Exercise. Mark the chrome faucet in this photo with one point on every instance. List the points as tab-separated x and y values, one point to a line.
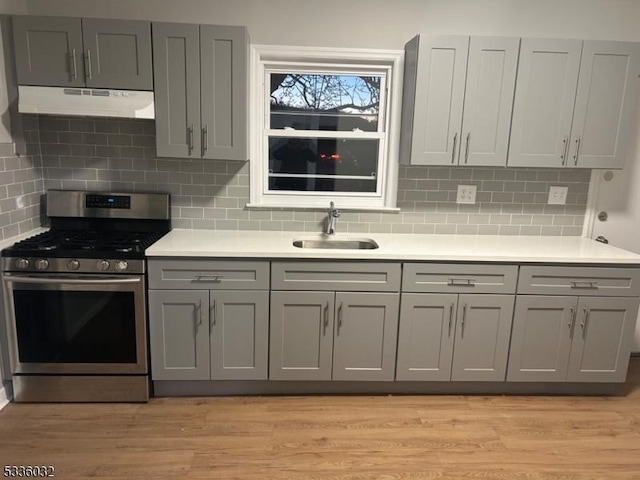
332	218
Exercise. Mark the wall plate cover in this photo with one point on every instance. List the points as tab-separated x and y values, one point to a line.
466	194
557	195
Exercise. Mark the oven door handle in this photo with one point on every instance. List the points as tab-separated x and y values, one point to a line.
70	281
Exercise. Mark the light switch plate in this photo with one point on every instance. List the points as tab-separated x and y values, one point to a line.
466	194
557	195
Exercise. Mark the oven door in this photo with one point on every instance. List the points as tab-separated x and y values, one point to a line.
76	324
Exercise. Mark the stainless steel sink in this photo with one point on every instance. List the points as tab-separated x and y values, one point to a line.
351	244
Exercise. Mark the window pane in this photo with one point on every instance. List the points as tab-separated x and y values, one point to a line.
324	102
323	164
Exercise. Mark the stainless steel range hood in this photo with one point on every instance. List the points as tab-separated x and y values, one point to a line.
86	102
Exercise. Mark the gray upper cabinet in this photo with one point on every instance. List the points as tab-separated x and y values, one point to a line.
224	91
541	339
176	73
99	53
301	335
179	334
482	338
573	103
201	85
365	336
48	51
457	102
426	336
239	324
117	54
602	339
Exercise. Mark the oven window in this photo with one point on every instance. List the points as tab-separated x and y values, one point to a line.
75	326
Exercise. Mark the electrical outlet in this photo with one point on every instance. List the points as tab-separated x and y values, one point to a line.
557	195
466	194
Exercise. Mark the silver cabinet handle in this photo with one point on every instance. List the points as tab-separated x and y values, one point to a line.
325	323
565	146
575	157
209	278
450	318
339	317
466	150
205	139
190	138
464	319
453	152
585	321
199	308
89	62
462	282
572	320
74	65
584	284
213	312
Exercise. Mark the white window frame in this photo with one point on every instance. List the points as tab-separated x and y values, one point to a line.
265	59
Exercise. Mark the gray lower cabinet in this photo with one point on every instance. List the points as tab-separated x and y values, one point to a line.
570	338
208	335
179	334
201	86
333	336
75	52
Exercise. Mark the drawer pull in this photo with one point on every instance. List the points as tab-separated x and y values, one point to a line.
572	320
462	282
339	318
213	313
326	319
464	319
585	322
209	278
450	317
583	284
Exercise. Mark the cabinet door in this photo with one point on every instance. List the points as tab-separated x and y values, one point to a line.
482	337
439	99
48	51
179	334
605	102
365	337
301	335
176	76
543	103
602	340
488	100
425	338
541	338
224	70
239	335
117	54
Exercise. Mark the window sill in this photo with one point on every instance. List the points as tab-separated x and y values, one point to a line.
252	206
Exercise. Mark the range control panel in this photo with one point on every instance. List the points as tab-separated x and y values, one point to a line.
108	201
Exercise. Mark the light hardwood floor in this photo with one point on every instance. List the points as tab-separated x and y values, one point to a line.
343	437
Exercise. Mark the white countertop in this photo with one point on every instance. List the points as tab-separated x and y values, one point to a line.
480	248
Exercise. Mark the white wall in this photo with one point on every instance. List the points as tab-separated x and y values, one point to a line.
373	23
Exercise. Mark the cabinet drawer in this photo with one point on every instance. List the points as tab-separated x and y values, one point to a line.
442	277
208	275
620	282
355	277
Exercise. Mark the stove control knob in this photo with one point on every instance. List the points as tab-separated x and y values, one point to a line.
121	265
22	264
42	264
73	264
103	265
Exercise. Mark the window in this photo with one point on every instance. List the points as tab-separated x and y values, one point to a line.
324	127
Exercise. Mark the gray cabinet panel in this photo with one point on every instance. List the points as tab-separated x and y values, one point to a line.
541	338
482	337
442	277
179	335
592	281
425	337
352	276
301	335
209	274
365	338
48	51
176	73
224	93
117	54
602	339
239	335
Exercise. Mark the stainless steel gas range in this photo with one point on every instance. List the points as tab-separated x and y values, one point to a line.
75	298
